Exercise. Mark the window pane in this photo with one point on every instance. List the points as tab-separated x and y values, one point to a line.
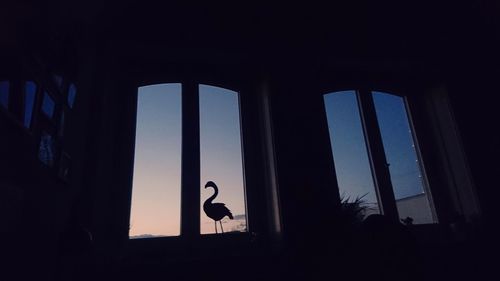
352	164
156	193
46	149
29	102
221	158
71	95
4	93
48	105
406	175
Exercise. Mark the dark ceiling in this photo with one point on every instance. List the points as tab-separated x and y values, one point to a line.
423	33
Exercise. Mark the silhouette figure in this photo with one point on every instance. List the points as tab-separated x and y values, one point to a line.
215	211
407	221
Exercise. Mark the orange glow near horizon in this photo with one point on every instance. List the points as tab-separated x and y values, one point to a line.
156	192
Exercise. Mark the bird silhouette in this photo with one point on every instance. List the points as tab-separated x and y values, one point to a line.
215	211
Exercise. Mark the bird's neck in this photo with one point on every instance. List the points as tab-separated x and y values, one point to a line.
211	198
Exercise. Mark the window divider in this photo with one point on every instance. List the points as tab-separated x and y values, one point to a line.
376	154
190	172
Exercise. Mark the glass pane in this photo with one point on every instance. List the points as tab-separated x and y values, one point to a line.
48	105
71	95
221	161
46	149
406	175
156	193
349	151
29	102
4	93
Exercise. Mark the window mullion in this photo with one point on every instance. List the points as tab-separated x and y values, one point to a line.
379	165
190	179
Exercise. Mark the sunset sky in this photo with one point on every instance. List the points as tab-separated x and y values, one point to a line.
156	194
157	168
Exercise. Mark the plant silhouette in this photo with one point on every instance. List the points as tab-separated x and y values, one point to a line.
216	211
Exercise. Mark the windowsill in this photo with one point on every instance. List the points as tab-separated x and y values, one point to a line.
195	248
433	234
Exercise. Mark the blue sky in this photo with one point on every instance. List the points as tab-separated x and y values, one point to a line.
157	169
349	149
398	145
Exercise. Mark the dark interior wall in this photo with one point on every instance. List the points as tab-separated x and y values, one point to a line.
472	70
299	49
474	102
39	206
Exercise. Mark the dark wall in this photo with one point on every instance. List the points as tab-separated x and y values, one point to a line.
476	113
299	50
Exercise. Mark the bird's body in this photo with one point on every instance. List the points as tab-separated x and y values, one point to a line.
215	211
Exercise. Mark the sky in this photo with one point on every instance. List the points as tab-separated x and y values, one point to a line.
348	147
156	195
350	152
398	145
156	192
221	156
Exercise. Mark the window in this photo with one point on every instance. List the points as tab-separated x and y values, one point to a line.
352	163
48	105
376	159
29	102
156	192
400	150
186	136
221	156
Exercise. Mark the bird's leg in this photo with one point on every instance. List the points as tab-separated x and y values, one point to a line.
215	222
221	226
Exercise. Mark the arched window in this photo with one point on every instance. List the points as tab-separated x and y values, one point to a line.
376	154
186	135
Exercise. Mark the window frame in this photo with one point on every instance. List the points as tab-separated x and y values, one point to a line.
376	152
190	236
